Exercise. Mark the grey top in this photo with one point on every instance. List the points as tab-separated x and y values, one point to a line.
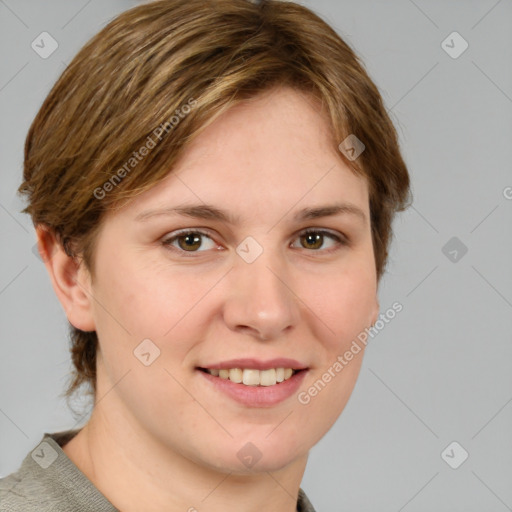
49	481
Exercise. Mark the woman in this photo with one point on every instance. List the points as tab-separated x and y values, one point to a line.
213	186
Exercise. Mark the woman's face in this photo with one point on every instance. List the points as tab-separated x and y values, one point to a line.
249	285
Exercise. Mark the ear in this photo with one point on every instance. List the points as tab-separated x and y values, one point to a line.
71	281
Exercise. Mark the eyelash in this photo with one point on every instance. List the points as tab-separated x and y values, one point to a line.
340	240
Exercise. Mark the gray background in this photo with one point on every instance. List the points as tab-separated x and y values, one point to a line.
441	370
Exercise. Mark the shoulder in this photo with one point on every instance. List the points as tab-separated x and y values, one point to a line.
303	503
48	481
20	491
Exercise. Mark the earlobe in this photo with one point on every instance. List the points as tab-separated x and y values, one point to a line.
70	280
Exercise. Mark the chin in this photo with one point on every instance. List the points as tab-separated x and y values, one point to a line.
267	463
257	453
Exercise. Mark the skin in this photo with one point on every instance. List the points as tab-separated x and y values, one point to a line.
161	437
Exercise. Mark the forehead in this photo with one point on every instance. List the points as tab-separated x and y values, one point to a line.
261	157
270	127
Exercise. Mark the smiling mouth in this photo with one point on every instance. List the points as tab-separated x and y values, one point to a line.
253	377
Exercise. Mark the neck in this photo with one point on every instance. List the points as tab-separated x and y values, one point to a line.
136	472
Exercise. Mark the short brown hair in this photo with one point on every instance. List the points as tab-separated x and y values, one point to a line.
133	78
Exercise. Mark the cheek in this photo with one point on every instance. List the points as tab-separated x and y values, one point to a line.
147	299
138	303
344	307
344	304
167	304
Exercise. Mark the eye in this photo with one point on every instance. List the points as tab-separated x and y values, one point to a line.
189	241
315	238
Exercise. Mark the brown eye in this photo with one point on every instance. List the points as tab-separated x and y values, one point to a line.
315	239
312	240
189	241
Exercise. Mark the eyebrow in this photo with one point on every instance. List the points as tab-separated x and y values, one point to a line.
210	212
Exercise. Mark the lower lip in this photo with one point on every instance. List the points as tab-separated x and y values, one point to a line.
257	396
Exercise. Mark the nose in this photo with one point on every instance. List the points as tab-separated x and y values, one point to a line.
261	301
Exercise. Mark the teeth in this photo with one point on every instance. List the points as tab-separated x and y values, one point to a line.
236	375
268	377
251	377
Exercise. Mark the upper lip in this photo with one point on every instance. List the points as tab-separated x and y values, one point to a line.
257	364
